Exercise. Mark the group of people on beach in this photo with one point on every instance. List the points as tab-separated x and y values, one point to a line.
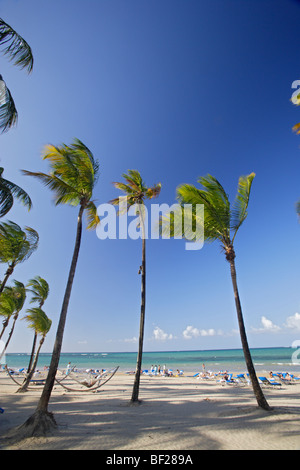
163	371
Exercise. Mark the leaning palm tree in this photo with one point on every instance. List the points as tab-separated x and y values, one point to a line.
73	175
41	324
40	291
16	246
221	223
20	53
136	192
9	191
18	294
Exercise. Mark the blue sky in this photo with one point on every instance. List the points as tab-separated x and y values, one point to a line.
176	89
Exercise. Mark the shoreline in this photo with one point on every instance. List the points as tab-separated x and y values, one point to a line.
176	413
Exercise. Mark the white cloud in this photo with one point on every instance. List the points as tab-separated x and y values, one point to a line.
131	340
267	326
160	335
293	321
192	332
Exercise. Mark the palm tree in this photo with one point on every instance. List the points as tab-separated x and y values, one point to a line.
40	291
221	223
16	246
9	191
41	324
19	52
136	192
72	178
7	308
18	294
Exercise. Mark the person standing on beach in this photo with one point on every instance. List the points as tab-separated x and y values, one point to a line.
68	368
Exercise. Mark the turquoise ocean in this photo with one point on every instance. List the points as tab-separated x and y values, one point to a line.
267	359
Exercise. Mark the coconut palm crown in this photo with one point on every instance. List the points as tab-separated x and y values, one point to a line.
72	178
16	246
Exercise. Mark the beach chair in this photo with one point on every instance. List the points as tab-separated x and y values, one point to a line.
282	379
242	379
269	382
294	379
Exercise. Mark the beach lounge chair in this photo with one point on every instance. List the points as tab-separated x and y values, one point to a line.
294	379
282	379
269	382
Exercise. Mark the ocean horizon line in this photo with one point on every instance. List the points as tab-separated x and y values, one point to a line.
157	350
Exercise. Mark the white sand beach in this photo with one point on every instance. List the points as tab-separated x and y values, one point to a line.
176	413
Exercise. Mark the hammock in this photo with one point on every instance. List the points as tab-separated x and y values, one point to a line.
91	387
42	380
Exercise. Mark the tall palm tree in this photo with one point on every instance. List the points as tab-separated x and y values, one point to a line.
9	191
20	53
41	324
136	192
18	293
16	246
73	175
221	223
7	308
40	291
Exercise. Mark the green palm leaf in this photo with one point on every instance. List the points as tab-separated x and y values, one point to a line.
73	175
39	289
239	209
15	47
8	111
16	245
38	320
9	191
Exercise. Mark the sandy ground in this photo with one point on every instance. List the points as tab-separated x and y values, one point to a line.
176	413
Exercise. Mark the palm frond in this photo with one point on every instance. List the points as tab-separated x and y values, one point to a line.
216	225
240	205
7	187
39	289
7	303
17	245
19	295
15	47
154	191
6	199
63	193
135	189
92	216
38	320
296	128
8	110
134	179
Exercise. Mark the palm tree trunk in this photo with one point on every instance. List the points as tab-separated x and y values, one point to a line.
136	385
8	273
26	382
9	336
261	400
42	421
32	351
5	324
